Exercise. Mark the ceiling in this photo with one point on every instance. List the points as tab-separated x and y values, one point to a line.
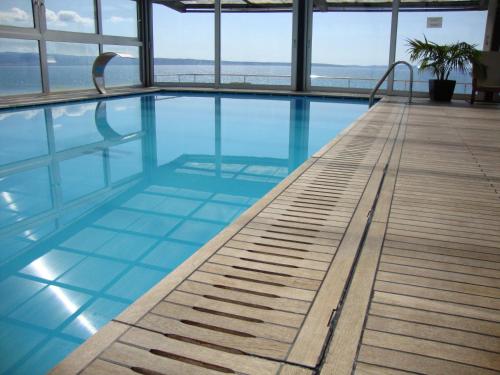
319	5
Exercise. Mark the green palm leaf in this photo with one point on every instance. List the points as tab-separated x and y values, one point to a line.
442	59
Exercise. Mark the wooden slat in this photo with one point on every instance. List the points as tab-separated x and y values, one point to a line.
210	337
433	349
440	319
415	363
433	333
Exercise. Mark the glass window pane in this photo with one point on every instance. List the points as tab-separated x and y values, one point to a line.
183	44
70	65
22	135
125	160
350	49
263	125
124	115
119	17
457	26
82	175
123	71
19	67
16	13
24	194
178	139
256	48
64	15
74	125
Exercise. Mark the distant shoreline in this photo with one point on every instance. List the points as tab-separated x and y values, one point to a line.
32	59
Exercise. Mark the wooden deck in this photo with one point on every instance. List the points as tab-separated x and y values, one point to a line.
381	254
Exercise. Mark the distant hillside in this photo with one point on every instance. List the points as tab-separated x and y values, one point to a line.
165	61
31	59
13	58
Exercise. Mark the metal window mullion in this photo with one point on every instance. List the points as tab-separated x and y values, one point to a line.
73	37
149	146
44	68
393	44
54	170
217	42
41	24
145	33
106	166
218	136
35	4
309	18
19	33
98	21
490	25
295	36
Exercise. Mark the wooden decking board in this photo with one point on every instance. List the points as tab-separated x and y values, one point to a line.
438	319
459	253
414	363
432	349
442	243
441	266
365	369
487	304
442	256
408	269
443	225
443	218
426	282
433	305
433	333
423	297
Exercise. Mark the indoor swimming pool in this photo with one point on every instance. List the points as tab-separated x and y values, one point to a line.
99	200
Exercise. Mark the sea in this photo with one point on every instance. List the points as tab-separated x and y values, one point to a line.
26	79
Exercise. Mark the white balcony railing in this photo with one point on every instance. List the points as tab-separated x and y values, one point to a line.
283	80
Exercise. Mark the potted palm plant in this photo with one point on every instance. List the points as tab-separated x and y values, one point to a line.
441	60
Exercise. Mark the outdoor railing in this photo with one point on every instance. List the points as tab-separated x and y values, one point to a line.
275	79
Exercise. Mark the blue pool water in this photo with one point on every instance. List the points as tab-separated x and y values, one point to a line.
100	200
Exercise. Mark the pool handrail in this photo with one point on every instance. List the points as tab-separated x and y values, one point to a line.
386	74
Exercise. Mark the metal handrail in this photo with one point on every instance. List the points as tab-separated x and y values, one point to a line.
388	71
464	86
404	82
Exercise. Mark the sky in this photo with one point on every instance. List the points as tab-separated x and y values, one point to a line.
347	38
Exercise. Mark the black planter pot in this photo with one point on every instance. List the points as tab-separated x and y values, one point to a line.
441	90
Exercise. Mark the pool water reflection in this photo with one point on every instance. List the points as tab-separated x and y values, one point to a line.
100	200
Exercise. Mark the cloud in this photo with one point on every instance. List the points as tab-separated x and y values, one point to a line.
14	15
73	110
118	19
65	17
27	115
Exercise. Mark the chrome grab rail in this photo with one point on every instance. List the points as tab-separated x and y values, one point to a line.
388	71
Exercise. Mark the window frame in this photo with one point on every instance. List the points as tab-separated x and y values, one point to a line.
146	53
41	34
217	58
